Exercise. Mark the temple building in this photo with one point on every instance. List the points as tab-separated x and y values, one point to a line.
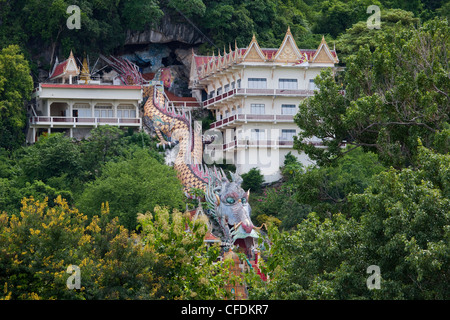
74	99
73	103
254	93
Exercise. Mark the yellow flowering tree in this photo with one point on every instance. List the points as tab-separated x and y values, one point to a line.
38	245
167	260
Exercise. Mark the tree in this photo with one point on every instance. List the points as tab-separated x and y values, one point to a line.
15	88
358	35
405	228
52	156
393	95
327	188
335	16
38	245
138	14
280	206
188	267
399	223
252	180
109	143
131	186
165	262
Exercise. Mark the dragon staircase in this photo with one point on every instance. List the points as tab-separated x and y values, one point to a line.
227	206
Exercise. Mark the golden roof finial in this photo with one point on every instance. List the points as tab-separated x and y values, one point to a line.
289	29
85	74
235	45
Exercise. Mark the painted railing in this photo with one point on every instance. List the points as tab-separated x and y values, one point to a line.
252	118
45	120
244	143
258	92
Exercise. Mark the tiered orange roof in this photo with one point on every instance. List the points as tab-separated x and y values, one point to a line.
288	53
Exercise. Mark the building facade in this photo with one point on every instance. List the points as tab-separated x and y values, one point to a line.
73	103
254	93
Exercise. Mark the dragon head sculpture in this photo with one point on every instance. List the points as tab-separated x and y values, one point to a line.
230	211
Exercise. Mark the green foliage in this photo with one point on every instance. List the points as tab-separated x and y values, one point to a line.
252	180
326	188
405	228
291	168
137	15
109	143
336	16
57	165
37	246
130	186
189	8
394	95
400	223
279	206
52	156
15	88
358	35
105	23
188	266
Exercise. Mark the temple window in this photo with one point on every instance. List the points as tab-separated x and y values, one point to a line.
257	83
288	84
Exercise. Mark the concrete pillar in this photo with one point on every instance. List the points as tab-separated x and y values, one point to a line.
91	105
71	103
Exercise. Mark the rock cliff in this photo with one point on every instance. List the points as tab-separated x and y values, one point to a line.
167	31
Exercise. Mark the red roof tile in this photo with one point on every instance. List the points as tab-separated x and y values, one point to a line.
89	86
148	76
270	52
59	69
210	236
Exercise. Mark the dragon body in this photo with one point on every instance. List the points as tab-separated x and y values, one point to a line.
227	203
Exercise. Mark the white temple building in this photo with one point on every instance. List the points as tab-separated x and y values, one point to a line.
73	103
254	94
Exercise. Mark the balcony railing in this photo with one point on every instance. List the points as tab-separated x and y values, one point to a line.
243	143
252	118
258	92
92	121
185	104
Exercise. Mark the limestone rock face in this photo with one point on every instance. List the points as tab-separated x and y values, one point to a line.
167	31
167	46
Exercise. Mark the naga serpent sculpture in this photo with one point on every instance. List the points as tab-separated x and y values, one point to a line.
227	203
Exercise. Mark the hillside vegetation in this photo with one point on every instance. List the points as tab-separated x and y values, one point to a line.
383	200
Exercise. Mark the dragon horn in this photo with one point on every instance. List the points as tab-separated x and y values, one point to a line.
218	199
259	228
237	225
